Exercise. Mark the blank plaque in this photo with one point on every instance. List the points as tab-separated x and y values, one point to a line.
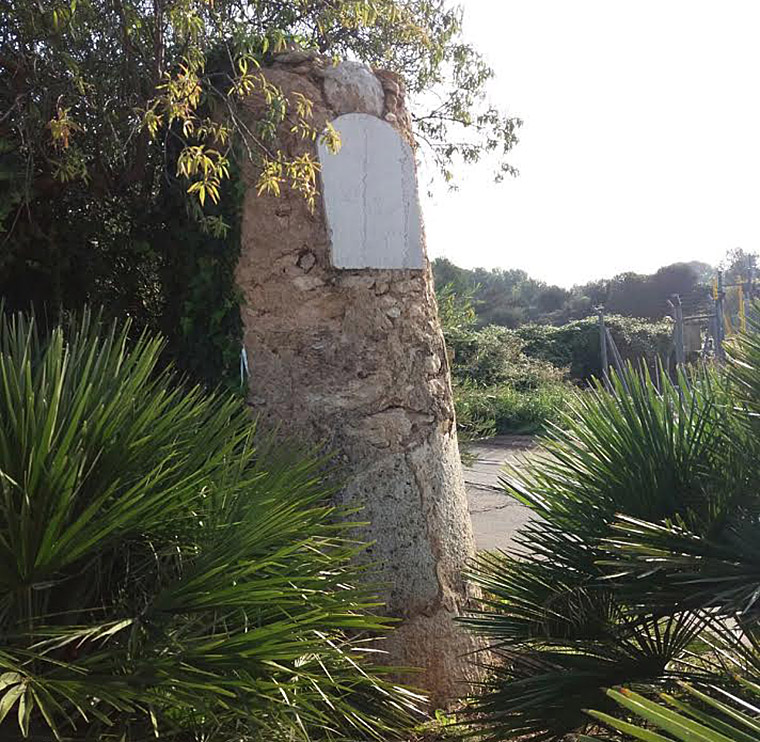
369	190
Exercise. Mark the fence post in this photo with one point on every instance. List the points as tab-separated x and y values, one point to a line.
603	346
720	329
678	335
751	278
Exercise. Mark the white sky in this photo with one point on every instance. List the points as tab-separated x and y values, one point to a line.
641	141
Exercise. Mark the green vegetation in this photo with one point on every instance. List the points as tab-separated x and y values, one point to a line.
497	387
701	718
510	374
643	570
575	346
516	381
123	131
160	575
502	408
512	299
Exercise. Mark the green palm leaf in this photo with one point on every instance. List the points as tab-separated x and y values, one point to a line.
702	718
160	572
559	629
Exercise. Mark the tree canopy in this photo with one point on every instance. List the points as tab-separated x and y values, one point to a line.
111	111
512	298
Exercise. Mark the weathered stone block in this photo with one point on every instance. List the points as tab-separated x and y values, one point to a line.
352	361
351	87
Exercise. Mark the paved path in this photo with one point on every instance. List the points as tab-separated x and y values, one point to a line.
495	515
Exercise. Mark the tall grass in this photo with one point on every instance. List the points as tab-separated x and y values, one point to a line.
503	408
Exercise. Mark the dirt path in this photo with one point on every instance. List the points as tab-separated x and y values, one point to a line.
495	515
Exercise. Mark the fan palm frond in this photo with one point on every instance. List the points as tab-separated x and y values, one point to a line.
563	618
162	574
698	717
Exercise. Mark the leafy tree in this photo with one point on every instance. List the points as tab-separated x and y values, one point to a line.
645	296
114	110
738	265
740	280
512	298
160	575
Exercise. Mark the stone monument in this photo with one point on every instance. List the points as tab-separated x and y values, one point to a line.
345	351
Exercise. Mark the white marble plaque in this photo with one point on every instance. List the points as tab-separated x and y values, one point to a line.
369	190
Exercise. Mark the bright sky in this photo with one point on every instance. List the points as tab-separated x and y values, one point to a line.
641	141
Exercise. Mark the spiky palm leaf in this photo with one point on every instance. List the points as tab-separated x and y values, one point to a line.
562	630
668	566
699	717
707	562
160	575
651	448
706	558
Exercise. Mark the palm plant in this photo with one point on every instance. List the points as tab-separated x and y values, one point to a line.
160	575
708	565
703	718
707	559
648	532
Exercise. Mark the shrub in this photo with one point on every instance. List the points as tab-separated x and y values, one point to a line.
494	355
642	568
497	387
576	344
160	576
490	355
506	408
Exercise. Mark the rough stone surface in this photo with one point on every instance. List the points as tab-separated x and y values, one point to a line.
395	102
350	87
295	57
354	360
369	190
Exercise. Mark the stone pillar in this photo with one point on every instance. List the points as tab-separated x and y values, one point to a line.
345	350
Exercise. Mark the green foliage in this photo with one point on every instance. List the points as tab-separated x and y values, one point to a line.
540	331
494	355
443	727
576	344
512	298
704	562
123	129
504	408
571	616
702	718
501	296
200	312
455	310
741	279
160	575
490	355
497	387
